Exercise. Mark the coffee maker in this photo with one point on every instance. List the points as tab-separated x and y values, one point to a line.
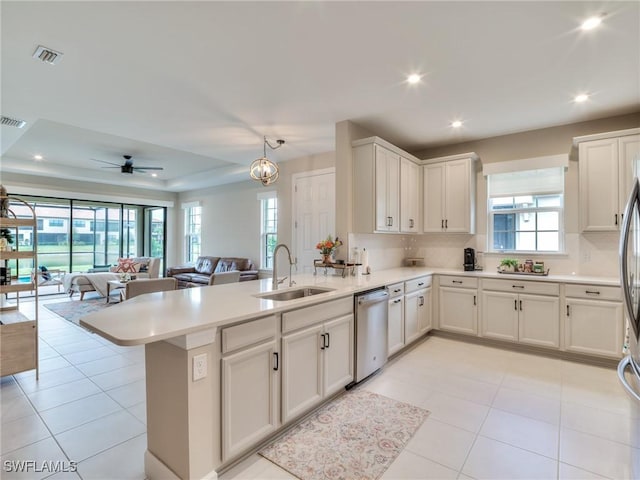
469	259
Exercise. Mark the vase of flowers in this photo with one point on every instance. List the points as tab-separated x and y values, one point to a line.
327	247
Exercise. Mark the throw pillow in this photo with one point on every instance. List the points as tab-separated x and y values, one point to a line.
127	265
45	273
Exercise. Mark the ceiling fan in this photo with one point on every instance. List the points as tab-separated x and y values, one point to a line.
127	166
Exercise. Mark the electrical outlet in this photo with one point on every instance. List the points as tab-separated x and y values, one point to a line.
199	366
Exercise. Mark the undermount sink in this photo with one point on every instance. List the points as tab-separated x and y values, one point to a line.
300	292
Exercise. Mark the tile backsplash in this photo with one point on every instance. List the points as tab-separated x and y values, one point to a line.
593	254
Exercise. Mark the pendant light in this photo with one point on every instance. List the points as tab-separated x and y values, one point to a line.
264	170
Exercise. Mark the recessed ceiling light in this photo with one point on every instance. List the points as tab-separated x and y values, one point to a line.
591	23
37	157
456	124
154	174
413	78
583	97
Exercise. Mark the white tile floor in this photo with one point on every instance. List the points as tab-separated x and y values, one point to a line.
495	414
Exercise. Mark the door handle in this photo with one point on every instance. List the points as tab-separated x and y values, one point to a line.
517	286
456	281
474	300
515	305
397	301
421	284
277	361
568	314
411	223
446	223
520	305
592	292
421	301
442	223
328	339
615	216
323	342
622	366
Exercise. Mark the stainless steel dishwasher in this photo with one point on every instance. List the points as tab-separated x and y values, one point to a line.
371	309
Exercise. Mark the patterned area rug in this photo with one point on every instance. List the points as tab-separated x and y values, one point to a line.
74	310
355	437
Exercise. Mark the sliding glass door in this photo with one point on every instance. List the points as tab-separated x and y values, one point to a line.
155	233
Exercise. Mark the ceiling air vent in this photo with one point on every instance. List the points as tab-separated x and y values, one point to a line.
47	55
12	122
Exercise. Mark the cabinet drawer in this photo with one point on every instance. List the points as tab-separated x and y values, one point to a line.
520	286
318	313
595	292
466	282
248	333
417	284
395	290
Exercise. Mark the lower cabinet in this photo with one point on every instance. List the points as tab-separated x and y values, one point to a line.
594	327
396	325
250	401
458	310
417	314
317	362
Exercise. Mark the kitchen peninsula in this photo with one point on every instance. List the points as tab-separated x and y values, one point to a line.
218	380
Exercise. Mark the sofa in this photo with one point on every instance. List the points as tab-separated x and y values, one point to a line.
200	272
96	281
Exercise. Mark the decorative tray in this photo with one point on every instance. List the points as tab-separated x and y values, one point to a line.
534	274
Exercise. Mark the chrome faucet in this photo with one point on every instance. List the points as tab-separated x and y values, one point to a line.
275	282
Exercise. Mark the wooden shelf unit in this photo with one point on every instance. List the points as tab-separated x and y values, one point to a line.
18	333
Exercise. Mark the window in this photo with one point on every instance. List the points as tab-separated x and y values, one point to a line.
193	224
526	211
269	228
56	222
79	223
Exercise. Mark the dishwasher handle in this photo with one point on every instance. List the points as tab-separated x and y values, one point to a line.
373	297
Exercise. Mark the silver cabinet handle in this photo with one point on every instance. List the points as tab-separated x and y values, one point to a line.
622	366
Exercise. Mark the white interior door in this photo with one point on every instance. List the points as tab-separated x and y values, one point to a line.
314	210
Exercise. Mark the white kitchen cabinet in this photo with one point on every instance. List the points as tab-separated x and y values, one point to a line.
384	184
594	320
250	385
449	194
458	304
410	200
606	169
317	355
417	314
395	331
508	314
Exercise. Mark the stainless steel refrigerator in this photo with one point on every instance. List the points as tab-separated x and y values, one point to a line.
629	366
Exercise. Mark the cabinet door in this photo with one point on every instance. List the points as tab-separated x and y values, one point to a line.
629	152
433	195
301	371
249	398
599	178
458	310
396	325
539	320
594	327
425	316
409	196
499	315
338	354
457	197
413	303
387	190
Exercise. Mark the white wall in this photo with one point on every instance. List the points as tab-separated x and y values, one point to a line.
231	213
586	254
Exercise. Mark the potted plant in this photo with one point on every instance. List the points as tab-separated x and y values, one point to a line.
508	265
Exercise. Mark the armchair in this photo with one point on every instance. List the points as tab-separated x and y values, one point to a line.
44	277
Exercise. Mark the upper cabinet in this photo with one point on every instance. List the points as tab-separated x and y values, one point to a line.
449	194
386	194
607	164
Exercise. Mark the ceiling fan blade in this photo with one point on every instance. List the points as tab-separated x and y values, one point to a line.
103	161
111	167
148	168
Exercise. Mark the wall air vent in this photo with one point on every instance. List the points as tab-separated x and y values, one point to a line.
47	55
12	122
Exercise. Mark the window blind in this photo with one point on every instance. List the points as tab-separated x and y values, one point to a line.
542	181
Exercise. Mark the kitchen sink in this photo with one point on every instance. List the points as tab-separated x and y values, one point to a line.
299	292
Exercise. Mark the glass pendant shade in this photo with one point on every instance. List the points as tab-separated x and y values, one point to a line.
264	171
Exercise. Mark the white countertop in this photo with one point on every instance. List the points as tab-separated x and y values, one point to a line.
163	315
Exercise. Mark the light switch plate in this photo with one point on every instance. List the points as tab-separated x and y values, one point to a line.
199	366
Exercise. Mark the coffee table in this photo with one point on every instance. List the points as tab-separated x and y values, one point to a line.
115	285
